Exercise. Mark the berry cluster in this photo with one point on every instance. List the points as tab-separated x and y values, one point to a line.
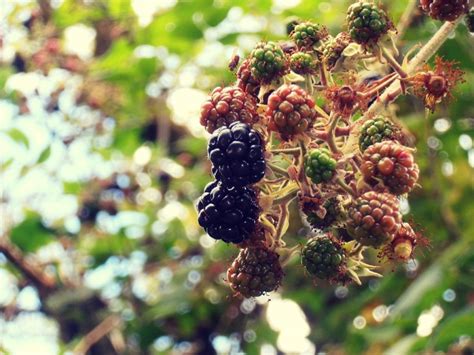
301	124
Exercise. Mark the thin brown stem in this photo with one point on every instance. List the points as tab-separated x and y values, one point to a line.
393	62
331	139
100	331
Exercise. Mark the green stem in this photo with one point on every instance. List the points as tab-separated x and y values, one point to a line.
331	139
294	151
282	221
393	62
286	198
278	169
345	187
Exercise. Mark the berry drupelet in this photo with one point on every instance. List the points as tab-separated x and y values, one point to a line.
333	213
236	153
303	63
255	271
228	105
228	213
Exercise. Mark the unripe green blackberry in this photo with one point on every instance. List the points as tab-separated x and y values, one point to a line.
323	257
445	10
392	164
255	271
376	130
334	213
291	24
470	20
374	218
333	48
367	22
319	165
308	35
303	63
268	62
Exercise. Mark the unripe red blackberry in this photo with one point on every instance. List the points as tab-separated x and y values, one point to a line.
228	213
323	257
445	10
376	130
290	111
470	20
268	62
333	48
333	213
391	163
246	81
303	63
228	105
236	153
255	271
308	35
367	22
374	218
319	165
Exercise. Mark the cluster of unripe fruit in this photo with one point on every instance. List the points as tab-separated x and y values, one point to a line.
271	144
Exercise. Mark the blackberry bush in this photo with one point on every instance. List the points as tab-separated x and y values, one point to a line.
228	213
322	138
236	153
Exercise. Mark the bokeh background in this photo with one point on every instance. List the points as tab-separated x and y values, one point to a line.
102	158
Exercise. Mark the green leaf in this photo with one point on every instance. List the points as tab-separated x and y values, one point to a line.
44	155
452	328
19	137
30	234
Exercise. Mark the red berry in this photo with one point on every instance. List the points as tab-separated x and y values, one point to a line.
227	105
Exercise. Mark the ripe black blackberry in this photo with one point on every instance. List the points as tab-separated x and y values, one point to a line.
236	153
444	10
228	213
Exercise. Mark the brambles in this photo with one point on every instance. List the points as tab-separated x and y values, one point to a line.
255	271
444	10
228	213
392	164
236	153
324	258
290	111
376	130
343	159
470	20
268	62
373	218
319	166
228	105
367	22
